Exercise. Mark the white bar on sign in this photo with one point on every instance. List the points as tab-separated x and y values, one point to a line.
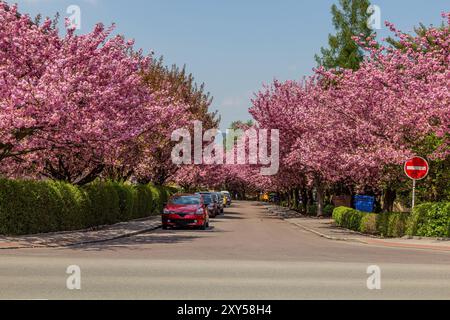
416	168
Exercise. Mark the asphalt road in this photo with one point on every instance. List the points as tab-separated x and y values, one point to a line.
245	255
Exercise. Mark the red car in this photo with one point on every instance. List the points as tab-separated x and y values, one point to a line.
186	210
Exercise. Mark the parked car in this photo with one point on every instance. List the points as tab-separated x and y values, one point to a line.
228	197
220	202
274	198
186	210
225	200
211	202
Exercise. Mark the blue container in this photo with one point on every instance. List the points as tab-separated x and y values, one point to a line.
364	203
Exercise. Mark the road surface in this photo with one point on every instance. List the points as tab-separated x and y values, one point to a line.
245	255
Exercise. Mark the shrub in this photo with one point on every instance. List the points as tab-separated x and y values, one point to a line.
348	218
369	224
74	206
430	220
143	202
41	198
171	190
352	219
30	207
127	195
392	224
427	220
311	210
20	201
328	210
158	203
163	194
338	215
103	204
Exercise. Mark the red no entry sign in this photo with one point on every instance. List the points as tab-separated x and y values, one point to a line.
417	168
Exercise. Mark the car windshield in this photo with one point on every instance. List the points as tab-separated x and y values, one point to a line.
185	200
207	198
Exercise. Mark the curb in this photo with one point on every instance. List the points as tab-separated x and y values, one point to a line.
327	236
374	240
322	235
123	236
127	235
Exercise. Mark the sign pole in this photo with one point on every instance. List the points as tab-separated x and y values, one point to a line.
416	169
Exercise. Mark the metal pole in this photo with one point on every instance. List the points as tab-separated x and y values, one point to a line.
414	194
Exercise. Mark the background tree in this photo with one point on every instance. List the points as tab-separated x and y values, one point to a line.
184	89
356	132
421	32
24	59
349	20
157	166
98	107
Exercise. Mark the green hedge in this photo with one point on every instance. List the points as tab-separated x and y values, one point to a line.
430	220
348	218
392	224
31	207
311	210
427	220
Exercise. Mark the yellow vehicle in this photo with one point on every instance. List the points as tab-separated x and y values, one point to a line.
226	198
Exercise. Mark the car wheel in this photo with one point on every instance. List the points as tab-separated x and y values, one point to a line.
164	228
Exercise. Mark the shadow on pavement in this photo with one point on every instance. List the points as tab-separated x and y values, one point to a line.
171	236
229	216
130	243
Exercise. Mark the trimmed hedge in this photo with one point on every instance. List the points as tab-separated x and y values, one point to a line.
392	224
31	207
427	220
430	220
348	218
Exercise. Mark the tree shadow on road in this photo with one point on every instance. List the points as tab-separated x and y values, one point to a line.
172	236
228	216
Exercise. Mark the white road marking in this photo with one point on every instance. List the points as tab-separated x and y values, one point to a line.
415	168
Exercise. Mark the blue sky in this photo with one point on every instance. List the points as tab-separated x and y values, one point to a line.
234	46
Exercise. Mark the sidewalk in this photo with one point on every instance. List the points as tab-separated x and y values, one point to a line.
327	229
68	239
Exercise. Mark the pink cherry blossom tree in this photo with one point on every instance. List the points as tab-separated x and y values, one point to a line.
26	53
352	126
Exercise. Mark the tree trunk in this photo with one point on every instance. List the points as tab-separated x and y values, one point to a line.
79	177
305	200
289	196
295	199
91	176
320	196
388	200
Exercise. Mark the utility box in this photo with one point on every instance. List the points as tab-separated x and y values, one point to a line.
342	201
364	203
